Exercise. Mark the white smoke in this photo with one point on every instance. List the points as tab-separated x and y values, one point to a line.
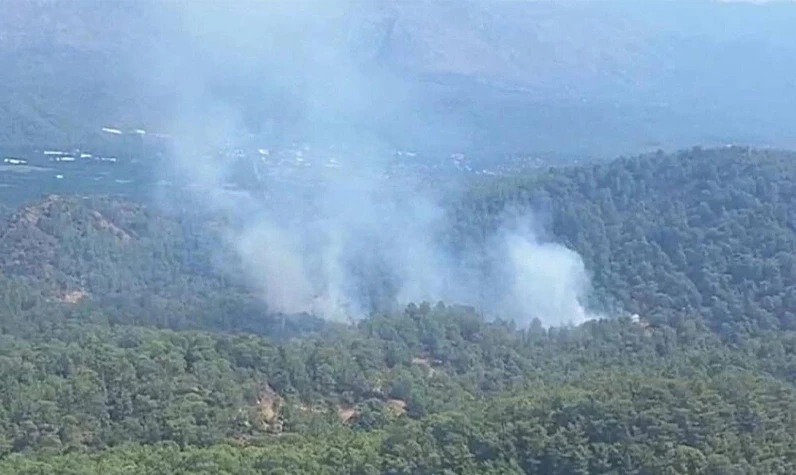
549	281
355	240
275	267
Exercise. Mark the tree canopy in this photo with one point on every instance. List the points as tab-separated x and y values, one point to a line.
124	350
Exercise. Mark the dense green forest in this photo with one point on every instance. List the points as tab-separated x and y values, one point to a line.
701	233
125	350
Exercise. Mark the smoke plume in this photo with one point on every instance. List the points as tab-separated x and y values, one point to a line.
252	78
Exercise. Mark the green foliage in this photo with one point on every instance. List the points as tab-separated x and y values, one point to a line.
607	397
123	351
706	233
119	262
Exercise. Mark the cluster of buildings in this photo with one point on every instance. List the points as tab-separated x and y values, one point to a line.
60	156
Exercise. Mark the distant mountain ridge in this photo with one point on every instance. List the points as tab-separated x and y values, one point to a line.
604	76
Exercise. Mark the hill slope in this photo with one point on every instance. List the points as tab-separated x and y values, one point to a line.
700	243
700	232
705	233
570	77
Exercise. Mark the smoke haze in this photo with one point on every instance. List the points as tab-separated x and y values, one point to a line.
355	240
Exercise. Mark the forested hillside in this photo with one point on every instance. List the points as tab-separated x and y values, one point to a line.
701	233
121	262
125	348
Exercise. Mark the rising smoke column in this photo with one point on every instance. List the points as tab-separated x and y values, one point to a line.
357	241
